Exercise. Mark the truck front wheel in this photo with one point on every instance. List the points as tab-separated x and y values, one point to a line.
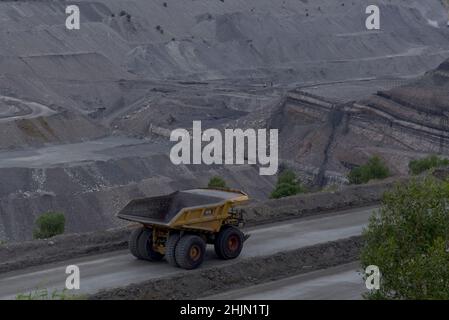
132	242
229	243
190	251
145	246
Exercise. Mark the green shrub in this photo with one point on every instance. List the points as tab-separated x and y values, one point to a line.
409	241
421	165
217	182
374	169
49	225
287	185
287	176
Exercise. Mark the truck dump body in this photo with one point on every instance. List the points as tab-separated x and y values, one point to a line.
163	210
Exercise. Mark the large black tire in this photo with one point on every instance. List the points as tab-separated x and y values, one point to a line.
190	252
145	246
170	249
229	243
132	243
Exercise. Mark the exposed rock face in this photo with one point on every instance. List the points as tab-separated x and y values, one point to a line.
399	124
418	113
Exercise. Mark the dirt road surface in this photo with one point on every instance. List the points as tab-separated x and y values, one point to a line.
338	283
20	109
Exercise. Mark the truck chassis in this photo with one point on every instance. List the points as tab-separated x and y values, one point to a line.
180	225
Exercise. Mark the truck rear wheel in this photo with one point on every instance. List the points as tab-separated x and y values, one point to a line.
145	246
229	243
190	252
170	249
132	243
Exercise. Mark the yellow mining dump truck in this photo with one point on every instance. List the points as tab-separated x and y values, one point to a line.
179	225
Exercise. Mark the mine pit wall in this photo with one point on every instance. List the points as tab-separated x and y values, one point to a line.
307	111
432	116
400	136
402	133
311	99
314	106
377	125
307	174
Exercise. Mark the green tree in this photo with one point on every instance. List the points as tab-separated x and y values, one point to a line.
49	225
217	182
287	185
409	241
375	168
421	165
